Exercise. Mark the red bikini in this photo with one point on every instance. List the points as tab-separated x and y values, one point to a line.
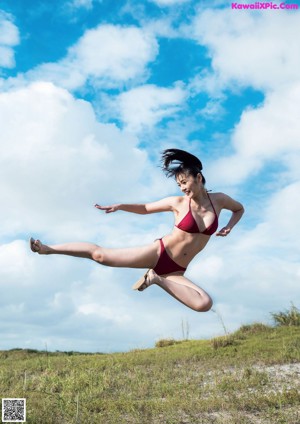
166	265
189	224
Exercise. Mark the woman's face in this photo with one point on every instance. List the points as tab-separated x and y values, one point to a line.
188	184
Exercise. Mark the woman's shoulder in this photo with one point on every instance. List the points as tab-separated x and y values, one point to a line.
218	198
224	201
216	195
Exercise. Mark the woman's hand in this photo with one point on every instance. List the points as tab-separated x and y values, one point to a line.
108	209
223	232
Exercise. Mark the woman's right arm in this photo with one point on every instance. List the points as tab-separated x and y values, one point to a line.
163	205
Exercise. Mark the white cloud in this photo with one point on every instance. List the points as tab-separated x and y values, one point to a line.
9	34
7	57
16	264
105	56
57	161
146	105
284	220
9	37
87	4
159	27
248	49
269	132
167	3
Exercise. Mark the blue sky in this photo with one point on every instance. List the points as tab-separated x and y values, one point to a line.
91	93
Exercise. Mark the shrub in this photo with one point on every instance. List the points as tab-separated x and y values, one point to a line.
250	329
166	342
288	318
223	341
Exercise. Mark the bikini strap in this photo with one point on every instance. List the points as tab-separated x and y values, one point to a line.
211	203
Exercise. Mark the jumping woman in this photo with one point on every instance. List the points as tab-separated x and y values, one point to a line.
196	220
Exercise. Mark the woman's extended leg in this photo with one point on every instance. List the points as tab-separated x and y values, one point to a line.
134	257
177	286
182	289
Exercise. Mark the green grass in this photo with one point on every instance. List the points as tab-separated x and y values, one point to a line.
246	377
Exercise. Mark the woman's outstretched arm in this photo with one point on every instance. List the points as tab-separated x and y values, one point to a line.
163	205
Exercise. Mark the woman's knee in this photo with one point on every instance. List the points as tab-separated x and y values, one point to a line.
208	305
204	305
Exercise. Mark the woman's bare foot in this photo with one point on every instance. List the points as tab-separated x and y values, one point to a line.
38	247
147	280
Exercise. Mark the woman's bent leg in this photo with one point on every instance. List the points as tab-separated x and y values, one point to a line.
135	257
183	290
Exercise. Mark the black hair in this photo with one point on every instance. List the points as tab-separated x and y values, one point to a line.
176	161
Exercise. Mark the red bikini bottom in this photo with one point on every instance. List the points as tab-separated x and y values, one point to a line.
166	265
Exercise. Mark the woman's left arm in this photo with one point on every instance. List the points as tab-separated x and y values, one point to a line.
237	212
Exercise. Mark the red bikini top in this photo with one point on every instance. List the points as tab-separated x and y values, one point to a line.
189	224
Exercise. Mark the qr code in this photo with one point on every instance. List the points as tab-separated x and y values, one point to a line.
13	410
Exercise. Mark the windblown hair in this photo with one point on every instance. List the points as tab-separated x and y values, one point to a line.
176	161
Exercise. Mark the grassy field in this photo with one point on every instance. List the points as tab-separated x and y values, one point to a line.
250	376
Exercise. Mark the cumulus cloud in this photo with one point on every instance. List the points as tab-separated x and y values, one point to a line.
57	161
145	106
107	56
247	49
269	132
87	4
167	3
9	38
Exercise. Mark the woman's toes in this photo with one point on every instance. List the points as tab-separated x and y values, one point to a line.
143	287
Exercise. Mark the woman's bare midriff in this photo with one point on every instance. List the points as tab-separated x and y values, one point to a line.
182	247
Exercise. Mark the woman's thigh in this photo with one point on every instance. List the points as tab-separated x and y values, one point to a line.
186	292
181	279
132	257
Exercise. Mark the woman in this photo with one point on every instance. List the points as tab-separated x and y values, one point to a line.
196	220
